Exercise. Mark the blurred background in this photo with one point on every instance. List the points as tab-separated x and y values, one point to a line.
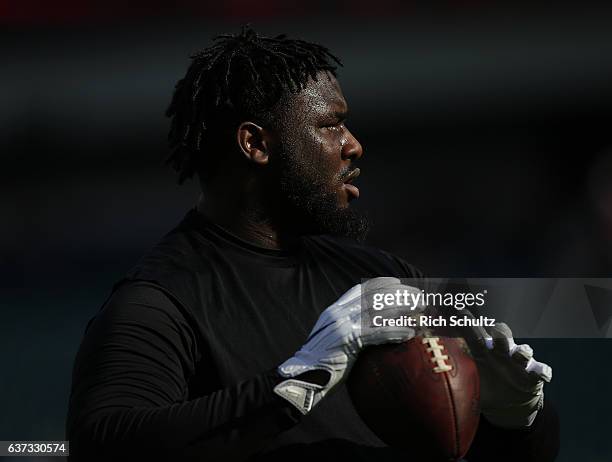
488	152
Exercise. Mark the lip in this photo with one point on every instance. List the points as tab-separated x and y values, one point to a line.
354	174
352	190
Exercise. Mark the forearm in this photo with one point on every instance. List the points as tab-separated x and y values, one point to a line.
537	443
131	391
231	423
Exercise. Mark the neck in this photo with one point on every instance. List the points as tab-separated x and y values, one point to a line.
247	221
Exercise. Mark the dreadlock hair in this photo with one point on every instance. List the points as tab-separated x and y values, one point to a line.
240	77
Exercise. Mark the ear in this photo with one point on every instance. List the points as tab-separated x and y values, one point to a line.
253	142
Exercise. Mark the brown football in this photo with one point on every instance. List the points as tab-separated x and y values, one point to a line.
422	395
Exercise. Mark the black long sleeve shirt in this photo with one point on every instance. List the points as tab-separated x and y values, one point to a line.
179	364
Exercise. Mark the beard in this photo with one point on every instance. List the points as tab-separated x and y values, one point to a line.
309	201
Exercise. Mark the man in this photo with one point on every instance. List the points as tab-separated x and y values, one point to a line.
206	350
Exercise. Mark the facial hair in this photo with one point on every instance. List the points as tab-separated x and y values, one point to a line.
309	201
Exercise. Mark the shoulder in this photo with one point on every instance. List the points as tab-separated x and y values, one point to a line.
181	250
189	248
141	302
371	260
181	261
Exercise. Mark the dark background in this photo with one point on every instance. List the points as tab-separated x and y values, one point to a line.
486	129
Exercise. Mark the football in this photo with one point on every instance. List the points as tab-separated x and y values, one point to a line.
421	395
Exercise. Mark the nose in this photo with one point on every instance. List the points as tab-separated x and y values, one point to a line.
351	149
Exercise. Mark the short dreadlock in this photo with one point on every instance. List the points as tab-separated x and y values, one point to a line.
240	77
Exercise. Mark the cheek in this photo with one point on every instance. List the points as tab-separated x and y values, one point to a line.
327	152
323	157
318	153
315	150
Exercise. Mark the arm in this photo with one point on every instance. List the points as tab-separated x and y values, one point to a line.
516	423
129	390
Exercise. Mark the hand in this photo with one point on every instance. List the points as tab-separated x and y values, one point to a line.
336	340
511	380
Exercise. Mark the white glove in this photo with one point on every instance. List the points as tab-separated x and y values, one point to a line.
336	340
511	380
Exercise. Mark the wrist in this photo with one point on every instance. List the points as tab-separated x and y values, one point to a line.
303	390
302	395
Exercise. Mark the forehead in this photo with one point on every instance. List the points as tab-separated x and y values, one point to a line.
321	96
